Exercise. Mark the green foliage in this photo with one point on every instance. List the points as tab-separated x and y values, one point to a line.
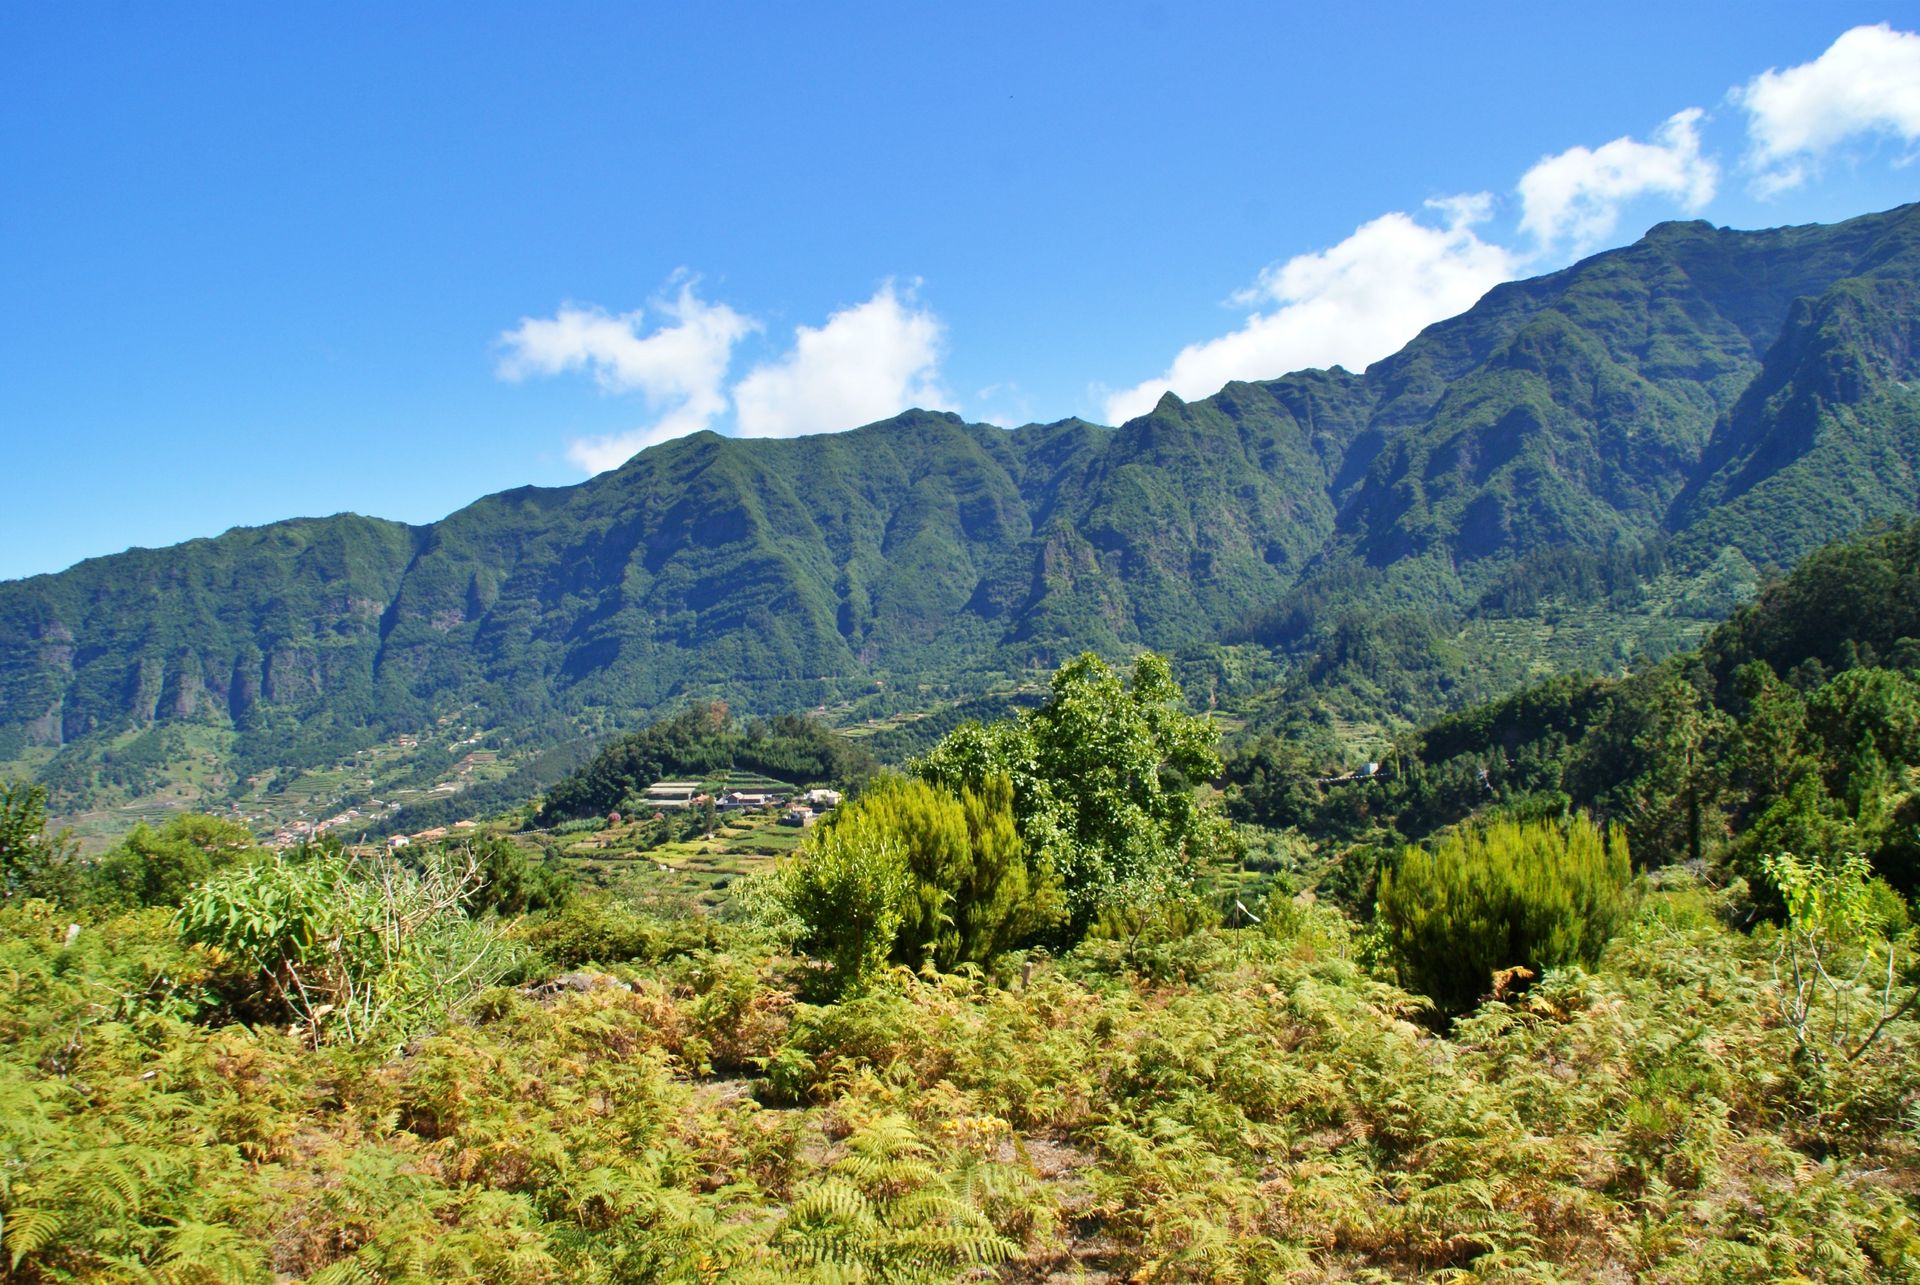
1102	776
1843	977
1272	781
702	741
1510	896
158	867
849	891
511	884
32	862
349	948
1193	1104
970	894
596	928
1717	757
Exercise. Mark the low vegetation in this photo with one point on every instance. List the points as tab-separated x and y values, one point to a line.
1247	1104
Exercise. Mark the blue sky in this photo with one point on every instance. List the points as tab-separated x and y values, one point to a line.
268	262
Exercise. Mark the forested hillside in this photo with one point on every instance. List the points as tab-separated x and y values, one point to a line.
1794	728
1018	1015
1686	413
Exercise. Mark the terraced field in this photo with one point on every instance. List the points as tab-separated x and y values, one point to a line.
697	868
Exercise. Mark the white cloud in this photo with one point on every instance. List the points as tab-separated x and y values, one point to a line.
1576	196
1867	82
610	451
867	362
679	368
1350	305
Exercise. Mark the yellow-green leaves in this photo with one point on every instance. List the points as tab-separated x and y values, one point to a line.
1533	895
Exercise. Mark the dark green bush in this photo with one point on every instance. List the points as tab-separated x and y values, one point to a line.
158	867
1533	895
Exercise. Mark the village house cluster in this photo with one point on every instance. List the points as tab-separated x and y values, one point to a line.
802	807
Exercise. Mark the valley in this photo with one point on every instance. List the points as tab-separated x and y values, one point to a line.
1584	467
1452	821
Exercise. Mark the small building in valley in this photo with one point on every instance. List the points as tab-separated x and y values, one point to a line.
672	794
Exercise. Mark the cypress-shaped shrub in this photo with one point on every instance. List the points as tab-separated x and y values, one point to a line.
967	893
1535	894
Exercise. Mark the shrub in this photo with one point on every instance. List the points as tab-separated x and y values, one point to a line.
1102	781
597	929
510	883
1532	895
156	867
33	863
347	947
970	894
849	889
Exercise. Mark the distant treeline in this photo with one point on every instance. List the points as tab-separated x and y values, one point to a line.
1795	727
699	741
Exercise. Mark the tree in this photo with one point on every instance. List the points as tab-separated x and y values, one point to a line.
1271	782
1868	721
511	884
1102	777
1658	760
32	862
849	891
157	867
1534	895
968	894
1843	978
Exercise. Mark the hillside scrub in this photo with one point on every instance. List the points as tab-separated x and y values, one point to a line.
1231	1105
1794	728
1513	897
354	948
343	1067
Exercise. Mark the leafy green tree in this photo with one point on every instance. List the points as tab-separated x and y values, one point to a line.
157	867
1533	895
1771	752
1842	977
1102	776
1868	723
849	891
1658	761
32	862
1006	894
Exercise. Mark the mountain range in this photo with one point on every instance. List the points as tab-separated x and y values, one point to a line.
1701	407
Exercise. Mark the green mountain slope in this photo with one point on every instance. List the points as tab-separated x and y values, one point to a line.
1795	727
1699	391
